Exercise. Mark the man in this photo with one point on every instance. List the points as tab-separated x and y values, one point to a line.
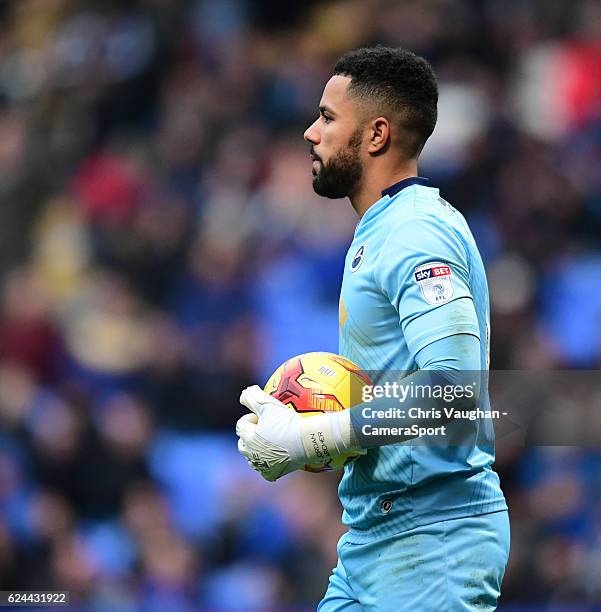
428	526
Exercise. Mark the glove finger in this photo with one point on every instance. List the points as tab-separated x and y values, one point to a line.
246	425
256	400
242	448
245	452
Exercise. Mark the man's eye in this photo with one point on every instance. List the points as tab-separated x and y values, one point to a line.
326	118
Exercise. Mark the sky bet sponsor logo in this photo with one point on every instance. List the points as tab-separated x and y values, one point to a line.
433	272
434	280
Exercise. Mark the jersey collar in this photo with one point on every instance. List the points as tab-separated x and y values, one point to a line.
384	201
412	180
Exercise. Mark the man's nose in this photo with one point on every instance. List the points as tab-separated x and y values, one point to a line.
312	133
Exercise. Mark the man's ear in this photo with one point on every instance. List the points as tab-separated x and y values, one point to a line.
379	135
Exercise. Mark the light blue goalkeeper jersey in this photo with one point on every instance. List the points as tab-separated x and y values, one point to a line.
413	275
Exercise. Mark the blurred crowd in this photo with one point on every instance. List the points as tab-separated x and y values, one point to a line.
161	248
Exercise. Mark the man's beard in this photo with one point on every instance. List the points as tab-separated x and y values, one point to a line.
341	175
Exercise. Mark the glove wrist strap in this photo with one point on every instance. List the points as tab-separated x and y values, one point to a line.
327	435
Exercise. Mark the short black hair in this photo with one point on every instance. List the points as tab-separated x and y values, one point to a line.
398	82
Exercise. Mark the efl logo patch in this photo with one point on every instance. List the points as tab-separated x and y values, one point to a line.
434	280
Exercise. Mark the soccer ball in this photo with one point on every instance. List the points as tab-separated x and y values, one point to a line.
319	382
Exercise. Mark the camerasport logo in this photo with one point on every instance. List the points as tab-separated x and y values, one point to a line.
435	281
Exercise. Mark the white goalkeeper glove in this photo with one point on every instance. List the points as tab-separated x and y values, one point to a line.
276	440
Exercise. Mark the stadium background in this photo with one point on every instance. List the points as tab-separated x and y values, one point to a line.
161	247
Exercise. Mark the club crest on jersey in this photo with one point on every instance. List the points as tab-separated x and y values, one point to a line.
358	258
435	282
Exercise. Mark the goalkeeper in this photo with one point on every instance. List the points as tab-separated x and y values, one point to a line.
427	521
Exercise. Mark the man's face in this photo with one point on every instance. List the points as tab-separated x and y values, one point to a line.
336	142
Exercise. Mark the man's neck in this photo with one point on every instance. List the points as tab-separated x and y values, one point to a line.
374	183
